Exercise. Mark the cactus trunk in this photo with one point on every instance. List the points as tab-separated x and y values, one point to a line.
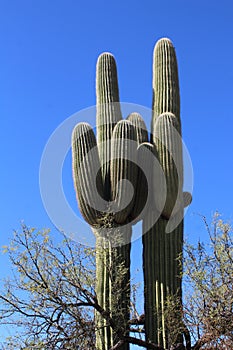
113	256
112	287
162	276
99	170
161	250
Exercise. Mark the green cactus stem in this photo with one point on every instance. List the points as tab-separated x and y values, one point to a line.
162	277
140	126
143	151
162	272
85	162
143	193
166	93
168	144
123	167
113	284
108	112
114	154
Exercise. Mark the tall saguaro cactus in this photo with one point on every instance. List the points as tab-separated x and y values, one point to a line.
161	248
100	170
103	166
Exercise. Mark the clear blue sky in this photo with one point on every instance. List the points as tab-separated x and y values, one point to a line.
47	63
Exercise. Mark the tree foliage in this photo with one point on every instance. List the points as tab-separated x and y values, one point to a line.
208	288
50	297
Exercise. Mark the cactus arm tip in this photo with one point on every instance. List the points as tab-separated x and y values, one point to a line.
187	199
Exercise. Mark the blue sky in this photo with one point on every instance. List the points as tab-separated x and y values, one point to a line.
48	56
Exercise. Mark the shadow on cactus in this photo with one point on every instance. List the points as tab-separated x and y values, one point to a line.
121	176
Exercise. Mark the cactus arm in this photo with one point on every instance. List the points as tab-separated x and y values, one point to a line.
145	154
140	127
169	147
85	163
108	112
166	95
187	199
141	190
123	167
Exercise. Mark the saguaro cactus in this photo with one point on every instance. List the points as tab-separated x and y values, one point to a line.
161	249
100	169
103	166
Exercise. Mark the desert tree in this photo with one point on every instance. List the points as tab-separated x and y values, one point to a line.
208	288
49	298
